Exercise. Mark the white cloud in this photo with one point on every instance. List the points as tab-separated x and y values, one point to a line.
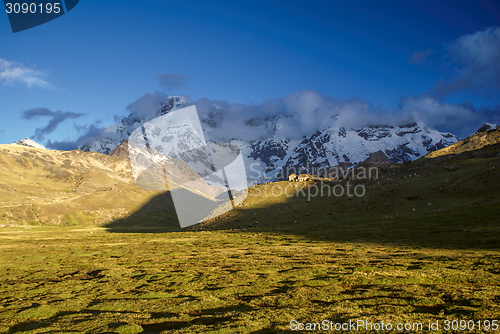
307	111
302	113
476	57
12	72
89	131
460	119
145	107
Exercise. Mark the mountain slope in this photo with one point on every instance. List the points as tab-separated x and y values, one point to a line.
28	142
332	147
270	158
112	136
473	142
450	192
39	186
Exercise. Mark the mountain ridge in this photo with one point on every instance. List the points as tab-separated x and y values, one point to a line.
267	158
28	142
476	141
50	187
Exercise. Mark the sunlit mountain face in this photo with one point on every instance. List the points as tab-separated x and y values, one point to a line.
265	158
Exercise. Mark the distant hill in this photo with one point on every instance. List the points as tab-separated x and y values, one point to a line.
476	141
487	126
378	159
121	150
28	142
40	186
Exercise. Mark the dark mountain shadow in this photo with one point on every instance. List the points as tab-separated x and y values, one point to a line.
156	216
159	214
472	226
445	202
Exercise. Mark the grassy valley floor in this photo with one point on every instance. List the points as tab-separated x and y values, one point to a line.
61	280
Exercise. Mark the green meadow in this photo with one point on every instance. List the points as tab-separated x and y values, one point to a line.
406	252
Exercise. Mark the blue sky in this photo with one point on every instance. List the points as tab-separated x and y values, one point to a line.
82	70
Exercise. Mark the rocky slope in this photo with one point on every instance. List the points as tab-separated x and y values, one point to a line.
39	186
275	157
28	142
331	147
479	140
112	136
488	126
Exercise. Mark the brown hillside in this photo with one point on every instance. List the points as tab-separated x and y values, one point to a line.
40	186
473	142
121	150
378	159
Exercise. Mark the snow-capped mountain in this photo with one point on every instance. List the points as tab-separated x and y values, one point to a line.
112	136
179	136
266	158
330	147
488	126
28	142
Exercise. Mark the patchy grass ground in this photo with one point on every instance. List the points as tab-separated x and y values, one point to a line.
89	280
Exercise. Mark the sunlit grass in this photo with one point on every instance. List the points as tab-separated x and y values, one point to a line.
228	281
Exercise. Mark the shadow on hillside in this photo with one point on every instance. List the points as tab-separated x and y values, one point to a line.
475	226
159	214
156	216
472	224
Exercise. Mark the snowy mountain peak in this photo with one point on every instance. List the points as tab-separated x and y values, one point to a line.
268	157
487	126
334	146
28	142
173	103
112	136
